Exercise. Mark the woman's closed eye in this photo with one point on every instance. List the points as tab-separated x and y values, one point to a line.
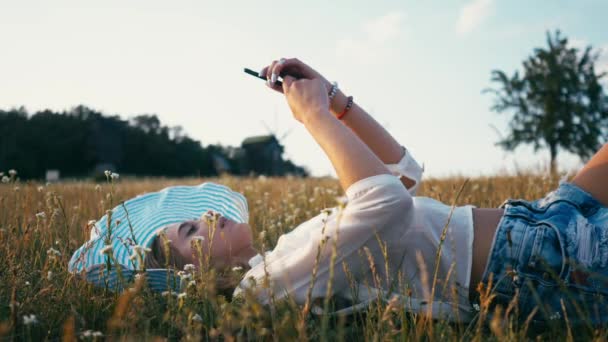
192	229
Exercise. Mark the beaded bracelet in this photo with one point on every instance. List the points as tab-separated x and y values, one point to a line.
333	91
349	104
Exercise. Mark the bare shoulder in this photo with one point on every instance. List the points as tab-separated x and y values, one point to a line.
593	177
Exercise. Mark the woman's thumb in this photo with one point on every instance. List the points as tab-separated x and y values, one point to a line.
287	81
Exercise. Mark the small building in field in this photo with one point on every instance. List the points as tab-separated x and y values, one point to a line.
263	155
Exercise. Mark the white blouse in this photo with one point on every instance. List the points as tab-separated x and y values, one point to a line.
381	218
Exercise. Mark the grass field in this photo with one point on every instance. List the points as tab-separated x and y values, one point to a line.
41	226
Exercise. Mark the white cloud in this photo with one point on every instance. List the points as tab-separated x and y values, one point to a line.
472	15
373	43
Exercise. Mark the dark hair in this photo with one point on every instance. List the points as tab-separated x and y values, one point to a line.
157	257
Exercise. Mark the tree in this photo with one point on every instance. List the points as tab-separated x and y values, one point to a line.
559	101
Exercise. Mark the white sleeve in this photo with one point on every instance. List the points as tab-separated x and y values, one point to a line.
374	203
408	167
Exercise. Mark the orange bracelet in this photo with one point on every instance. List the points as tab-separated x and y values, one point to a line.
349	104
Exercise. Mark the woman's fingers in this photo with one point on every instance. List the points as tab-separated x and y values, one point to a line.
272	78
286	66
263	71
287	81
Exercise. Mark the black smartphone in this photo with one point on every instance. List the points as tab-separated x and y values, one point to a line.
256	74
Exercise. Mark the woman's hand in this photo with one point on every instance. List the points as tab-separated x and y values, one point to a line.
307	98
305	90
293	67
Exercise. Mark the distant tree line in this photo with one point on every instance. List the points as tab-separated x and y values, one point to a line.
81	142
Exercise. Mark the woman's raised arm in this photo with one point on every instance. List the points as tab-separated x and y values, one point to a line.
351	158
376	137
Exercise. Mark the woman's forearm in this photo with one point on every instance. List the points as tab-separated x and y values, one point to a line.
368	130
376	137
352	159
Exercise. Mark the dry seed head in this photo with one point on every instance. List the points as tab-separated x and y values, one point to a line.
106	250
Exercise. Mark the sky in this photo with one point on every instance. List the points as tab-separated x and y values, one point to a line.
418	67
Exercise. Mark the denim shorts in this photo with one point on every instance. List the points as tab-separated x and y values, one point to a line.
549	258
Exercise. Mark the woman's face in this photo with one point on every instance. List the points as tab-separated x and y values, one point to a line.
231	243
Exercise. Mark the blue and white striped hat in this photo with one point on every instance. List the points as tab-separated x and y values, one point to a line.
138	225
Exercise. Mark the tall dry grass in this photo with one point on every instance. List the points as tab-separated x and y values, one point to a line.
42	225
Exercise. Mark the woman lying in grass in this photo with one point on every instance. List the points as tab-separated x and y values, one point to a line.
541	259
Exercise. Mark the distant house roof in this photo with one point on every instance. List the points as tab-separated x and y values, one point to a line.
258	140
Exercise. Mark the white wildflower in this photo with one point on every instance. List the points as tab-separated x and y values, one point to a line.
86	333
197	318
97	334
476	307
108	173
27	283
189	267
555	316
182	295
114	176
97	187
192	283
53	252
106	250
49	275
16	189
41	215
237	268
5	179
1	174
262	178
30	319
12	172
141	249
40	188
342	200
